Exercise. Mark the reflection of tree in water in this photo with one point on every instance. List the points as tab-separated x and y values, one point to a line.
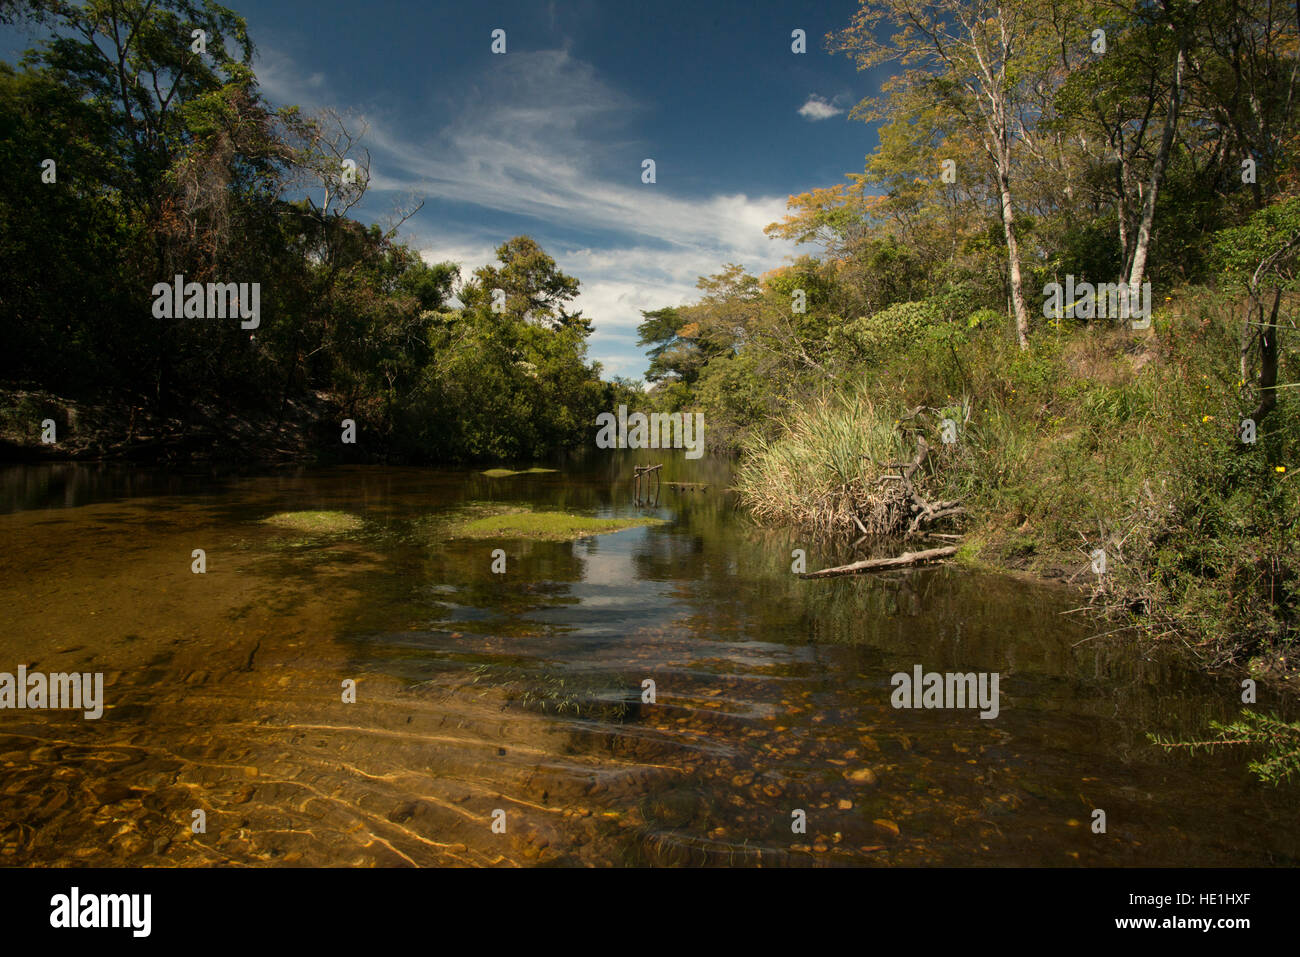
70	484
772	694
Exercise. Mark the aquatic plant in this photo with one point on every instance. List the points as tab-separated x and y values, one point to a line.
323	522
547	526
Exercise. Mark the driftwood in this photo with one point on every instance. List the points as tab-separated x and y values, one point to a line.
923	511
904	560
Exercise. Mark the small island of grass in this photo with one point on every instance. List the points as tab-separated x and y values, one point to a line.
547	526
319	522
506	473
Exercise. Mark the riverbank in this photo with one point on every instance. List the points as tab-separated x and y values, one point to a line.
1107	458
38	425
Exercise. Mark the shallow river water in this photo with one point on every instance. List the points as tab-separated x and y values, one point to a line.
499	718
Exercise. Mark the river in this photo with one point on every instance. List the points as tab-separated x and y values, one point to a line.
499	718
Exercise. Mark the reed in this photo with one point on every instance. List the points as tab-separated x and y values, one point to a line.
824	472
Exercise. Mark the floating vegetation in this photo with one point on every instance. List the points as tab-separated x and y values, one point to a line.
547	526
506	473
329	523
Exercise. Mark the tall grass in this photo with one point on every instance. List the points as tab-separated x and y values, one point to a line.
1096	438
824	470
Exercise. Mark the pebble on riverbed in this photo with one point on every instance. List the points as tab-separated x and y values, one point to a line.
863	776
887	826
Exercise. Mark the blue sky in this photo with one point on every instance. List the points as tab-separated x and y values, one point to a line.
548	139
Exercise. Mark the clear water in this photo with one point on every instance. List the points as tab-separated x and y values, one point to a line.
522	693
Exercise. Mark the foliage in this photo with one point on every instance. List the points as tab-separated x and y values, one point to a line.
894	328
1279	740
169	162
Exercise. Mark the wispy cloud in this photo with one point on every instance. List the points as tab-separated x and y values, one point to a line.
819	108
536	136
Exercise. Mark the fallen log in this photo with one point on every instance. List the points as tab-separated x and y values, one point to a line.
904	560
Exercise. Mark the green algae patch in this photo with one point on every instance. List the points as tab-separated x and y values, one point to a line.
547	526
506	473
321	523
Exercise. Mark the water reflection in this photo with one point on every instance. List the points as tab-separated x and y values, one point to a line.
524	692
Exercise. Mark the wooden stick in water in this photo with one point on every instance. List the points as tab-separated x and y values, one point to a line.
904	560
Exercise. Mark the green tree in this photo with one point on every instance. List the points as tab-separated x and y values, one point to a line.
535	289
980	60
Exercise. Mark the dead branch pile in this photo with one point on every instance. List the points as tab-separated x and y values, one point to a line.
921	511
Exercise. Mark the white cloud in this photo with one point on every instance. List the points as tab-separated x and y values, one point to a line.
819	108
525	140
282	81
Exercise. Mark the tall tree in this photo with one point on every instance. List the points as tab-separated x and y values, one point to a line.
980	59
535	289
1174	17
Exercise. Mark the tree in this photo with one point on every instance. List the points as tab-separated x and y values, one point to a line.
980	59
676	354
1106	108
135	60
535	289
430	285
1261	257
1177	24
1241	76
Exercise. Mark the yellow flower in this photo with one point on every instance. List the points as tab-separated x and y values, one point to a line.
1206	418
1279	468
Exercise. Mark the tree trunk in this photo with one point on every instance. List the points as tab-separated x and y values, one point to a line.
905	560
1157	174
1267	358
1124	213
1013	255
1122	216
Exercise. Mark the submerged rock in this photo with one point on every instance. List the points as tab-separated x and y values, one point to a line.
864	776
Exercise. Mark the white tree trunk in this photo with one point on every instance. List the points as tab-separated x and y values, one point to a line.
1013	256
1157	174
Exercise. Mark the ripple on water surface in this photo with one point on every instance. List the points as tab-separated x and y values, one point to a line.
523	692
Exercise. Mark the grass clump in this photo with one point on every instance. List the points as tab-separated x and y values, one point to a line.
826	468
329	523
547	526
506	473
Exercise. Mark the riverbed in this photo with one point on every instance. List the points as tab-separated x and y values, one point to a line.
504	718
